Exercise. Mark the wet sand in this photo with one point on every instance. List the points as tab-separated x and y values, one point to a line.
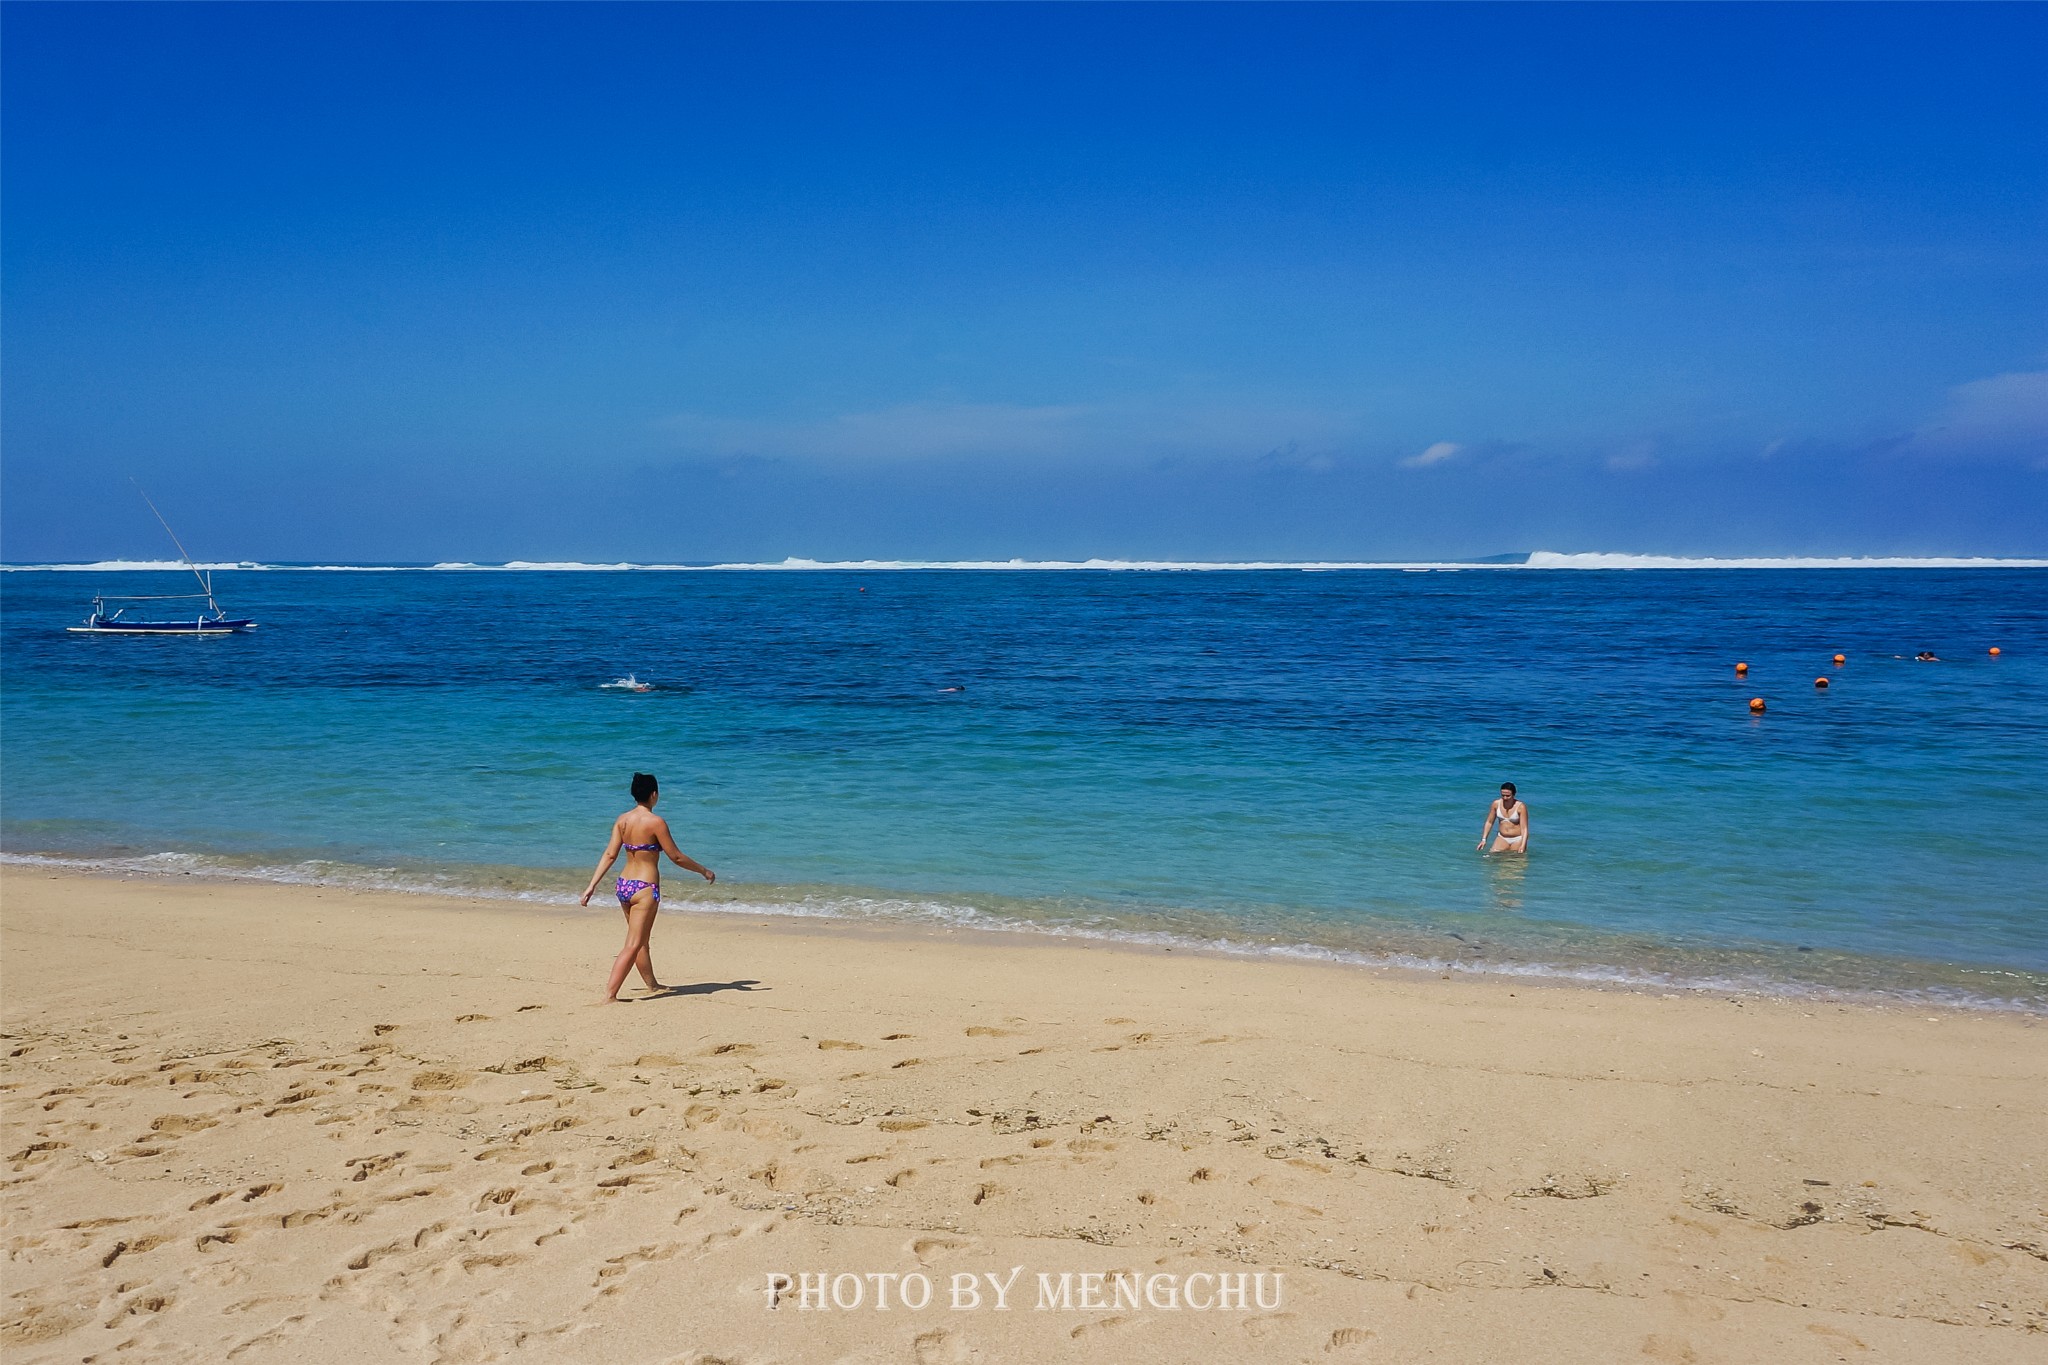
260	1123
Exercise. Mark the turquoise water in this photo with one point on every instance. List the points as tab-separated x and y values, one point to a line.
1280	760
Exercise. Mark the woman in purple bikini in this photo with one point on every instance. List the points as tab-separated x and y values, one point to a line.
644	836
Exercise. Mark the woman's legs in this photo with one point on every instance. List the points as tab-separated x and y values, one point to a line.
644	963
639	928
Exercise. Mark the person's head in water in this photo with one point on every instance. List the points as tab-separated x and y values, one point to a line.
645	788
1507	793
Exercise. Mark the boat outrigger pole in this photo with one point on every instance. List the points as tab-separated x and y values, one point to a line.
203	581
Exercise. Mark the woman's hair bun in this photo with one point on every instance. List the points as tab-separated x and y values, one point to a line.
644	786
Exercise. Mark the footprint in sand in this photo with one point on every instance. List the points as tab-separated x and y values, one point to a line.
1347	1339
924	1248
39	1323
136	1247
540	1063
939	1347
367	1166
177	1125
1265	1324
141	1306
492	1262
1097	1328
35	1152
439	1080
363	1260
838	1044
274	1337
619	1265
300	1217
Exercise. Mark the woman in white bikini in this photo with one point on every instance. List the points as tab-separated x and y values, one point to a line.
1512	836
644	837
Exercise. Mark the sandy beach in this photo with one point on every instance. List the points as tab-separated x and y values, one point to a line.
251	1122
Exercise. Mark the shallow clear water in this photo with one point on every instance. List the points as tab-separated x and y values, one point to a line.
1274	758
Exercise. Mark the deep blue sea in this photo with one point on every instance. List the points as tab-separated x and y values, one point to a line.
1277	760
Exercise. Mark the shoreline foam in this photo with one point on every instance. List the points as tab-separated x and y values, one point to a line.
927	913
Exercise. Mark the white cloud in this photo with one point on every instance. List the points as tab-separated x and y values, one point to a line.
1436	454
1999	417
1641	455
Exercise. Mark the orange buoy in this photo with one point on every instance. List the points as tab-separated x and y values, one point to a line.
1821	683
1742	668
1756	704
1996	650
1841	659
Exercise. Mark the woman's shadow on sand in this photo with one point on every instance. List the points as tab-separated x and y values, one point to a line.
703	988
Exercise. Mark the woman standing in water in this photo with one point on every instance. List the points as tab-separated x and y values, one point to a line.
644	836
1513	834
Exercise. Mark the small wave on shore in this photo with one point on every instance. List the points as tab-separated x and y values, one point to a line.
1582	960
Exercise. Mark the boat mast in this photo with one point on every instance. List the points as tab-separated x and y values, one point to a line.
203	582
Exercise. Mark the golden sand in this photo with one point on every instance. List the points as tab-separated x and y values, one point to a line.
261	1123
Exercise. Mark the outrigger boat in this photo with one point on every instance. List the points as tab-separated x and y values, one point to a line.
211	620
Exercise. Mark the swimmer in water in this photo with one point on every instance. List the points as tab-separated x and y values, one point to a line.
1926	656
1512	836
644	837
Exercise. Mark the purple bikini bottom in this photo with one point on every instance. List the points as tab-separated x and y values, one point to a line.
630	887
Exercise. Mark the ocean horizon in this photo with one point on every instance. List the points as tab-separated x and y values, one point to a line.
1533	559
1265	761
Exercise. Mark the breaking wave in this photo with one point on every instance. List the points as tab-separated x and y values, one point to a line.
1540	559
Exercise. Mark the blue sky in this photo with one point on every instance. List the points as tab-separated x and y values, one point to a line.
700	282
